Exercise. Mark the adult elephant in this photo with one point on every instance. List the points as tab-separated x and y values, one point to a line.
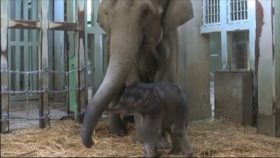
143	45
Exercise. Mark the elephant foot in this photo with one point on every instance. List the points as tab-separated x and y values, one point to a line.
118	130
116	127
175	151
137	140
153	154
163	143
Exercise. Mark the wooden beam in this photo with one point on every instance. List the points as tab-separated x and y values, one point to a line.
80	55
43	63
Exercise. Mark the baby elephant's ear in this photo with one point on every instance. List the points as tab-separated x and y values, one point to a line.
153	98
146	107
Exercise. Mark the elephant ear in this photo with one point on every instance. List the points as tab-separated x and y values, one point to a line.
177	12
151	99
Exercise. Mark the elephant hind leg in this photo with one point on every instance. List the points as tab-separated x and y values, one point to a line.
116	127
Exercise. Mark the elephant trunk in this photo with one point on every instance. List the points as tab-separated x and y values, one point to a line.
124	45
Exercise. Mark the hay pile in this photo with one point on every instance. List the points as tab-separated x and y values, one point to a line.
209	138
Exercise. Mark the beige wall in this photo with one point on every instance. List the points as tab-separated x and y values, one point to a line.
196	52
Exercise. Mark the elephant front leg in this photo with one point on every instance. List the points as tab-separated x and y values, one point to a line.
116	126
139	129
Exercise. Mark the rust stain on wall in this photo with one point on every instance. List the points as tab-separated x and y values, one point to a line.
272	28
259	25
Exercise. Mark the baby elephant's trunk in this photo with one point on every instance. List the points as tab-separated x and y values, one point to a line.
118	110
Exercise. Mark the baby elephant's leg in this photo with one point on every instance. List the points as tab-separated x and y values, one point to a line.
162	142
139	129
150	129
176	147
180	141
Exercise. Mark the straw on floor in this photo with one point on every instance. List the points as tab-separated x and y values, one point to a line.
209	138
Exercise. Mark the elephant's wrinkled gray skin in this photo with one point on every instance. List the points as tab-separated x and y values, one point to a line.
161	105
143	46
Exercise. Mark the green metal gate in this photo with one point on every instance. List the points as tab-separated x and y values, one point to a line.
19	61
23	49
96	47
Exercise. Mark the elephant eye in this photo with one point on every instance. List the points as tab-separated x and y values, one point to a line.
146	11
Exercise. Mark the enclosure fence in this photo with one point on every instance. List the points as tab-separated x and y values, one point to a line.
43	25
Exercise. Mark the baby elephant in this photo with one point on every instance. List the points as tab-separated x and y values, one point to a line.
162	105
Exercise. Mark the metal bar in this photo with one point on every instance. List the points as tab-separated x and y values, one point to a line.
98	57
43	58
51	45
24	24
33	24
94	30
34	36
4	64
17	48
58	60
81	96
13	43
26	53
22	97
67	26
11	33
70	80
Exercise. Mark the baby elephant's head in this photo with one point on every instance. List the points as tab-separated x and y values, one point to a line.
138	98
128	103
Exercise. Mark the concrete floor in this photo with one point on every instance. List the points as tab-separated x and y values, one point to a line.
34	112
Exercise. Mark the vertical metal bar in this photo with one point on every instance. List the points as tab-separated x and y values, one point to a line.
43	58
211	11
26	60
98	57
216	11
10	33
69	58
238	9
58	61
243	10
34	13
4	65
208	12
17	52
51	37
81	75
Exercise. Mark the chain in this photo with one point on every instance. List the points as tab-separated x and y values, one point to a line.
5	91
40	118
27	95
27	91
4	70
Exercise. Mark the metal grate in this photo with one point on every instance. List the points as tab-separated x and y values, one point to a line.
240	55
238	10
211	11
